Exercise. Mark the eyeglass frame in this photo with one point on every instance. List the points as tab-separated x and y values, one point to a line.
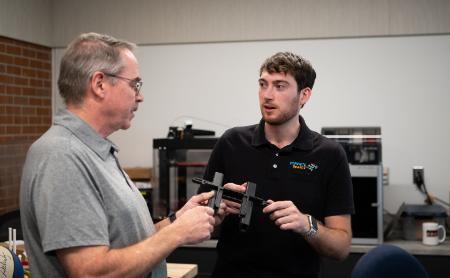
135	84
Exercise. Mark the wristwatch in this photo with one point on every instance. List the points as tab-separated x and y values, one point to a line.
312	228
172	216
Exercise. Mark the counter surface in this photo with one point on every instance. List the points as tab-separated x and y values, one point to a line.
413	247
181	270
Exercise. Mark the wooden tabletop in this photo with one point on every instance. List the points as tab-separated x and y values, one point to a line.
181	270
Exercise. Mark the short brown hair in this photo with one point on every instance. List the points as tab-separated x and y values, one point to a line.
287	62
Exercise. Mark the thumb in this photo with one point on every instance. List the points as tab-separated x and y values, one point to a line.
203	197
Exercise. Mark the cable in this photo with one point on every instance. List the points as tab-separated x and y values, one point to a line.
439	200
428	200
431	198
420	183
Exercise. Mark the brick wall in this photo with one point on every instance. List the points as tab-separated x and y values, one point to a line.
25	110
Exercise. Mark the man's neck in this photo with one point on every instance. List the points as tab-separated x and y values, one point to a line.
284	134
88	115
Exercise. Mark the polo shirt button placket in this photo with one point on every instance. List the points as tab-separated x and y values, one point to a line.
274	169
275	165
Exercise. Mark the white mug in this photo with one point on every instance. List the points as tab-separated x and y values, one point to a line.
430	233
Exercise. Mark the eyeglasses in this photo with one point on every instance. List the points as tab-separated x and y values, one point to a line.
136	84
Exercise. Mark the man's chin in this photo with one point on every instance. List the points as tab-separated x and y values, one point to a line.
280	120
126	125
272	121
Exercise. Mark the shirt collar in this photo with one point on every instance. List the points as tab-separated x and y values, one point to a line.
85	133
304	140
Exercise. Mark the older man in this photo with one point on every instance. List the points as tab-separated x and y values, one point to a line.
81	214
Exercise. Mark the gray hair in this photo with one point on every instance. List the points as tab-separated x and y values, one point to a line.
88	53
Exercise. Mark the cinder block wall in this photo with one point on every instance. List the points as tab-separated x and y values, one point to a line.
25	110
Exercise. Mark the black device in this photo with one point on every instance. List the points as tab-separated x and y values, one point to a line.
246	199
187	132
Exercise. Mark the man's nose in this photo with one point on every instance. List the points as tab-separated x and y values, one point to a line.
140	97
269	92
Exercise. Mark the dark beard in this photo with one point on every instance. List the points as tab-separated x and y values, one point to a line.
280	120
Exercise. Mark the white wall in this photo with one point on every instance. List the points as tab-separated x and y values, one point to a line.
190	21
55	22
398	83
27	20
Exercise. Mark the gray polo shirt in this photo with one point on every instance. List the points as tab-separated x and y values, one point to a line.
74	194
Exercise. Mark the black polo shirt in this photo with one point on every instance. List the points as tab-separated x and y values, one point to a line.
312	172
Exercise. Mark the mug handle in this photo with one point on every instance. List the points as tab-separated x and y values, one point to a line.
443	232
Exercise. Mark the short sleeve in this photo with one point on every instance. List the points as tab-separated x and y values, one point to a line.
67	206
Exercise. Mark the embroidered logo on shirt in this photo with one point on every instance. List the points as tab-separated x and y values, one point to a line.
303	166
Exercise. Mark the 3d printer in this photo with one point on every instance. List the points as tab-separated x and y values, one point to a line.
363	148
177	159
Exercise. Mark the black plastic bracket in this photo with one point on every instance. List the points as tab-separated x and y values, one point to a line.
247	199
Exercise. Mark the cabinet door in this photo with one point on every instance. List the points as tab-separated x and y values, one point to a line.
365	219
367	196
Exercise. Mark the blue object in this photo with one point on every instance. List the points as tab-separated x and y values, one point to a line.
10	265
388	261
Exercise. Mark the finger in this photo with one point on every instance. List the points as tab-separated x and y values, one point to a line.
232	210
203	197
218	218
290	211
271	207
209	210
279	214
284	220
222	209
232	204
269	202
279	205
212	221
287	226
236	187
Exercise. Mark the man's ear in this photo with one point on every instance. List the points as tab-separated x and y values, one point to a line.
305	94
97	84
